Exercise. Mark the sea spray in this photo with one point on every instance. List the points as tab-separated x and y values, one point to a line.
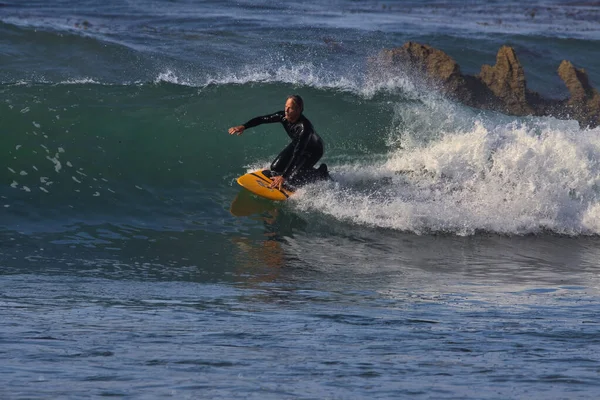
513	179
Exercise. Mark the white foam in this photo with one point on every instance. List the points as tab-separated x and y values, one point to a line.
508	178
57	164
306	74
172	77
355	81
79	81
258	165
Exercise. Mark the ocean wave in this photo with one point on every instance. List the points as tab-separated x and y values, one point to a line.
442	168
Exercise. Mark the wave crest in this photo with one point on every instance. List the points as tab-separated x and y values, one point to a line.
308	75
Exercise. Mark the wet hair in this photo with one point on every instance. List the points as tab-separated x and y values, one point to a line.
298	100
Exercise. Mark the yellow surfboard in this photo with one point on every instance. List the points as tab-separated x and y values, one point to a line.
258	182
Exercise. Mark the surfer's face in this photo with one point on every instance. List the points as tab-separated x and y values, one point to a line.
292	111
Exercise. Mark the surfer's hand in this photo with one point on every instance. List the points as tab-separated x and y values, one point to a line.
237	130
277	182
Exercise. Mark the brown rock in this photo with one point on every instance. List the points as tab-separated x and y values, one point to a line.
434	62
506	80
501	87
584	103
438	69
576	80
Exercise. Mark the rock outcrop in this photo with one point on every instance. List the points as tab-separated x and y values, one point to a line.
437	68
507	82
501	87
584	103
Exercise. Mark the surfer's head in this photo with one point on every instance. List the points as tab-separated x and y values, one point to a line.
294	105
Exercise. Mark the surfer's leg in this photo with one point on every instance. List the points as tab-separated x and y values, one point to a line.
314	153
304	171
302	166
283	159
322	172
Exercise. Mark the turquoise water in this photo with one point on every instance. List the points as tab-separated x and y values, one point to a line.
453	256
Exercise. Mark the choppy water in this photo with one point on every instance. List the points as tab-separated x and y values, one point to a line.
454	256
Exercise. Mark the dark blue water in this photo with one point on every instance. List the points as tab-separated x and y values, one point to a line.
454	256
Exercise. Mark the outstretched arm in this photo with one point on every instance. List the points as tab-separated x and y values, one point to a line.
265	119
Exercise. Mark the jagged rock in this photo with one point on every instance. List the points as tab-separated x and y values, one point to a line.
507	82
435	62
584	104
576	80
438	68
501	87
440	71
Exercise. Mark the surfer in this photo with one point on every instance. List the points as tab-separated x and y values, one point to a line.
296	161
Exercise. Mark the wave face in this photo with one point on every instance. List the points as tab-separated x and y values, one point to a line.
120	116
401	159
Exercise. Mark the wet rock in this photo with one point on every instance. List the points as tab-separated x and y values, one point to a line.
439	67
502	87
506	80
584	103
439	70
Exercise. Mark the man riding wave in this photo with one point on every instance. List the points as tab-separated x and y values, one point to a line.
295	163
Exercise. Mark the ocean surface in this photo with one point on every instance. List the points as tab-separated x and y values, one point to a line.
454	256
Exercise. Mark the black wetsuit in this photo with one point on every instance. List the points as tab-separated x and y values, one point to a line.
295	163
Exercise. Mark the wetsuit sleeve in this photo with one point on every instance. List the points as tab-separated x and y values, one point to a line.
295	162
265	119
